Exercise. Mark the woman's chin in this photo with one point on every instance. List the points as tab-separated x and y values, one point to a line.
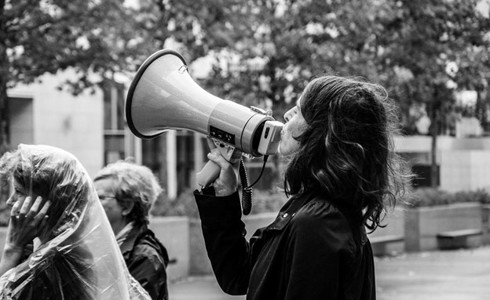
280	150
284	151
287	149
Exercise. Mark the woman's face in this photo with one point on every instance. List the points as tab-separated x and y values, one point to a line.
294	127
19	194
105	190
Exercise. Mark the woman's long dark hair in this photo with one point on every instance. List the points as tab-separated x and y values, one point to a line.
346	152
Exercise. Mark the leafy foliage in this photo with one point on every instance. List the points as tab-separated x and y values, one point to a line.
425	197
430	49
263	52
95	38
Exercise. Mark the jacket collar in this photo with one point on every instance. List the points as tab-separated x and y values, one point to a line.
288	211
128	244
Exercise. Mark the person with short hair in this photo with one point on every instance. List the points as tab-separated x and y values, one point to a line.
127	191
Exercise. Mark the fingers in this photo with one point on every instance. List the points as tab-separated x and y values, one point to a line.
27	209
235	157
35	207
216	157
25	206
42	214
14	212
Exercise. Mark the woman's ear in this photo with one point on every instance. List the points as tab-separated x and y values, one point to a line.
128	208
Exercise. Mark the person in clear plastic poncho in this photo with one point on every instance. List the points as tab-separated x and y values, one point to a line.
75	254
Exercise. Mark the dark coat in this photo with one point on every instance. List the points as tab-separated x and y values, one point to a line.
311	251
147	260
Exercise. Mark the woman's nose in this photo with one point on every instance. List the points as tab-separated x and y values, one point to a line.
11	200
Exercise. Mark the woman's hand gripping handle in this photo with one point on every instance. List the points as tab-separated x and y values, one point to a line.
219	170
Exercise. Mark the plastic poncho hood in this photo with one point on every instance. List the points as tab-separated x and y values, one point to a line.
79	257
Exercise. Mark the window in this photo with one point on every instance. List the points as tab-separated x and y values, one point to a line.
114	133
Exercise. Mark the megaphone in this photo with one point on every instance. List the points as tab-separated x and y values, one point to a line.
163	96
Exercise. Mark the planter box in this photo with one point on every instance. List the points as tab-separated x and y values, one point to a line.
424	223
174	234
389	240
486	224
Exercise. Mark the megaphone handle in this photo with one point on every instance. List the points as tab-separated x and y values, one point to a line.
208	174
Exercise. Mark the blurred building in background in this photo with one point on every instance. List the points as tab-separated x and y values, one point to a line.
92	126
42	114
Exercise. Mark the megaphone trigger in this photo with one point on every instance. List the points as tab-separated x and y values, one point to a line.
225	150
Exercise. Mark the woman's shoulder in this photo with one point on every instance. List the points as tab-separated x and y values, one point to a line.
320	216
147	245
319	208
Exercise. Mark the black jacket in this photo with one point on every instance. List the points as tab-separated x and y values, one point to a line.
147	260
311	251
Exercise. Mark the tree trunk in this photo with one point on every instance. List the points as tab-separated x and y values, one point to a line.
3	116
4	67
434	174
434	130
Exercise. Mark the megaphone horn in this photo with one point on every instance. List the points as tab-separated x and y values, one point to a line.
163	96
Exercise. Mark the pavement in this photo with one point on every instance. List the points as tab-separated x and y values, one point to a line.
436	275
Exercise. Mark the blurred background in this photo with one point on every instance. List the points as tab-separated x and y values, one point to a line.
66	66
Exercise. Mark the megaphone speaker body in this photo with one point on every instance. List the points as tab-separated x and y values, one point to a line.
163	96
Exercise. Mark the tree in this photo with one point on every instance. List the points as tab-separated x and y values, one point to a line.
265	51
422	51
96	38
439	46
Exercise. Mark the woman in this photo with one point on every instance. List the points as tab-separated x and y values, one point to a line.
127	192
341	170
55	207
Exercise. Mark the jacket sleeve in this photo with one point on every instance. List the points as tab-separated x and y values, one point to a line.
224	236
148	268
316	256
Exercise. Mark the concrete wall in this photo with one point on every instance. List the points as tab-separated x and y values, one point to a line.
200	264
174	234
422	143
486	224
463	161
395	226
57	118
21	121
423	224
465	170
